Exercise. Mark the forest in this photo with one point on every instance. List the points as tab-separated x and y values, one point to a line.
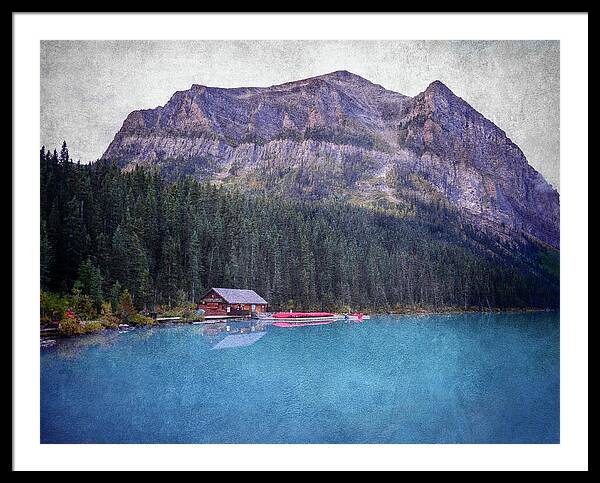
166	241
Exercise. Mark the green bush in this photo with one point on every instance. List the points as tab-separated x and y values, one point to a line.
69	325
187	313
107	318
175	312
52	306
125	308
83	304
139	319
93	326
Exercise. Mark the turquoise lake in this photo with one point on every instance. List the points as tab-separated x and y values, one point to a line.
472	378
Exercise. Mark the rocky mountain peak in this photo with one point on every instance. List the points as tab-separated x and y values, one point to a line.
344	76
437	87
338	134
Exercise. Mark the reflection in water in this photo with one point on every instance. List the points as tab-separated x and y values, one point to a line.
237	333
234	327
303	324
239	340
73	347
213	329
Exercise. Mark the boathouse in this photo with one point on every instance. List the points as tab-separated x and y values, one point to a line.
232	301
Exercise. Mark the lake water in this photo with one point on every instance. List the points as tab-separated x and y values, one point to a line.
473	378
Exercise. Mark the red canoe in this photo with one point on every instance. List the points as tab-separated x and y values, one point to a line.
301	315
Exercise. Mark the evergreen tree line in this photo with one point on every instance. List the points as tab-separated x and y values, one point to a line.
104	230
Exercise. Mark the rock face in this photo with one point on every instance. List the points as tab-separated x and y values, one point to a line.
339	133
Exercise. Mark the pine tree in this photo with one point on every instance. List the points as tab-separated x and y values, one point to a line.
115	294
45	257
90	281
125	308
64	153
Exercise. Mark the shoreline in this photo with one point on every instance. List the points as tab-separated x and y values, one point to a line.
453	310
49	333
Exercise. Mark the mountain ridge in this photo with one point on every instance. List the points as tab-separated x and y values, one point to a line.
338	134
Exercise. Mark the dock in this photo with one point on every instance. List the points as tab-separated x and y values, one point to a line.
209	317
167	319
215	319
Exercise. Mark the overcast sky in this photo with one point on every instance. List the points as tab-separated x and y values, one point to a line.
89	87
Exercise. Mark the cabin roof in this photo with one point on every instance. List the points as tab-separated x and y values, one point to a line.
239	296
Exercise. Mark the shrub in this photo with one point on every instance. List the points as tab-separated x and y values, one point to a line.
52	306
174	312
125	308
107	318
82	304
139	319
187	313
69	325
93	326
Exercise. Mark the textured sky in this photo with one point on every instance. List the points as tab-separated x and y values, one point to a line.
89	87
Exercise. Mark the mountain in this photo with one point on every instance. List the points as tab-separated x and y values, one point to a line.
339	136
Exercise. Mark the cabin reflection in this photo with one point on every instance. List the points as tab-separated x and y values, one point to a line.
236	334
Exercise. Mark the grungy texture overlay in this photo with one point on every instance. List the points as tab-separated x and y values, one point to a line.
89	87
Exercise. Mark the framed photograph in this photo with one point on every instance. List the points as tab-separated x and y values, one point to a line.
300	241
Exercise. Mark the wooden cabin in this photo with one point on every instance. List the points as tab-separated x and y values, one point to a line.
232	301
